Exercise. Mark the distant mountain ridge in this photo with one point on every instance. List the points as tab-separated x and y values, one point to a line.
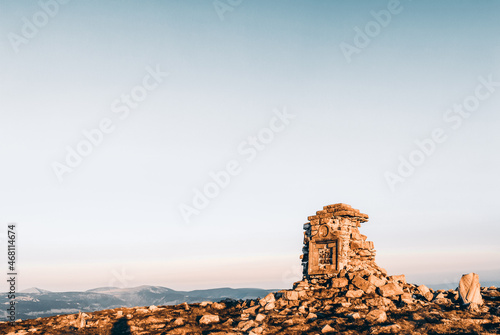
452	286
34	302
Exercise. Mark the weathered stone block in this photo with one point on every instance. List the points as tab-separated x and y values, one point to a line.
399	278
390	289
424	291
469	289
267	299
407	298
376	316
327	329
208	319
376	281
339	282
363	284
354	294
291	295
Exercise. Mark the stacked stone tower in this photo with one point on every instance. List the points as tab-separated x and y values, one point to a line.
333	243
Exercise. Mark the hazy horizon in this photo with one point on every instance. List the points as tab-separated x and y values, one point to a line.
116	116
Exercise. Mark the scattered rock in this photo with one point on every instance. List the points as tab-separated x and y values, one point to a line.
256	331
251	310
269	306
208	319
339	282
179	322
311	317
376	316
389	329
363	284
267	299
425	292
469	290
407	298
327	329
354	294
80	320
376	281
246	325
291	295
442	301
398	279
353	316
390	289
218	305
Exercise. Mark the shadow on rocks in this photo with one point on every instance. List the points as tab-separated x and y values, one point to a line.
121	327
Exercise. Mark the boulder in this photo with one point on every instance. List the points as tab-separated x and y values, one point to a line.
407	298
208	319
80	320
379	302
269	306
339	282
354	294
363	284
256	331
389	329
327	329
218	305
442	301
291	295
268	298
376	281
251	310
179	322
311	317
246	325
390	289
376	316
353	316
399	279
469	290
425	292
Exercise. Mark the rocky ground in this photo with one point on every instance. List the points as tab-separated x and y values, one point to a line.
353	303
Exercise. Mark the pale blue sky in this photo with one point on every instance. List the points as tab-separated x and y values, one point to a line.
118	212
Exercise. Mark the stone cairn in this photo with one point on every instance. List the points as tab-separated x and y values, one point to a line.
338	258
333	244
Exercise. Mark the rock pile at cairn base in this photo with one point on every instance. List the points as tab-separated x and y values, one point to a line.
342	291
